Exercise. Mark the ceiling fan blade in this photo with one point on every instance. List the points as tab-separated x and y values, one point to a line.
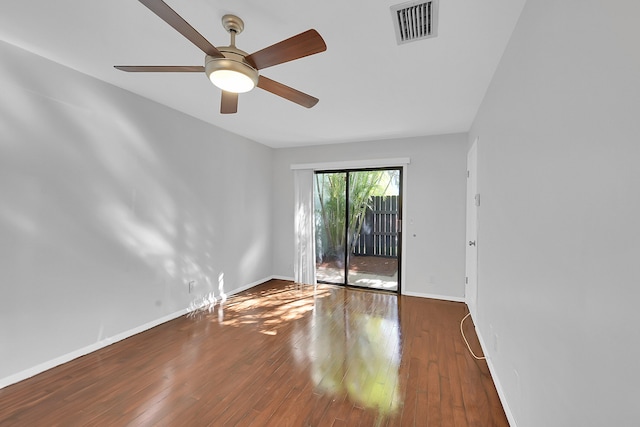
170	16
287	92
161	68
304	44
229	103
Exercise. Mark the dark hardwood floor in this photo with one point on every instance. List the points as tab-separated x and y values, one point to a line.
276	355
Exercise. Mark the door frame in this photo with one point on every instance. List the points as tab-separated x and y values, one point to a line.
471	242
401	170
402	162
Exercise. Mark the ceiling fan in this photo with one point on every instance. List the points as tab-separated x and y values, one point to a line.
231	69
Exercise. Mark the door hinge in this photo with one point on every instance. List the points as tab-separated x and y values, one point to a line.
477	199
466	280
467	174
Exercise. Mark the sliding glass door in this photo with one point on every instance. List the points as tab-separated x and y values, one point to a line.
330	207
358	233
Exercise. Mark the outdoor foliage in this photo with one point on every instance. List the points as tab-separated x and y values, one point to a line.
331	203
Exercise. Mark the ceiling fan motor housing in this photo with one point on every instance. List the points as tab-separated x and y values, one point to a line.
233	63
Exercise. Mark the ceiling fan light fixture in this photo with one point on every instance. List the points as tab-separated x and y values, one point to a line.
231	75
231	69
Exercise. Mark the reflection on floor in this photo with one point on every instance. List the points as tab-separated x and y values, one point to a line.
278	355
353	351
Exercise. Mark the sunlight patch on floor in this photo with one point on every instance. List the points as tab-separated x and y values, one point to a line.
266	311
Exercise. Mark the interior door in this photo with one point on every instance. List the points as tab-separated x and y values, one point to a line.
473	201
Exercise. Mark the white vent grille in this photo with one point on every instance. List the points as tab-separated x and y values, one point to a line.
415	20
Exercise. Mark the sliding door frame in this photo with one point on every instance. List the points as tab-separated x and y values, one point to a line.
347	171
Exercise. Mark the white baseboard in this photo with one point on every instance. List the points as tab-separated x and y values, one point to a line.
496	380
35	370
30	372
289	279
433	296
250	285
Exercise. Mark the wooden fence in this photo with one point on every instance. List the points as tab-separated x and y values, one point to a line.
379	232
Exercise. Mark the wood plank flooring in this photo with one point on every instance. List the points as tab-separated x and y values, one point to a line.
277	355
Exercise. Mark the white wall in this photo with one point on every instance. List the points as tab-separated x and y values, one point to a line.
559	228
110	204
435	185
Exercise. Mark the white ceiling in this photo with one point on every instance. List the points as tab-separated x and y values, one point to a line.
369	87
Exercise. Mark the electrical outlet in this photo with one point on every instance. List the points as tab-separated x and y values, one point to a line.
192	283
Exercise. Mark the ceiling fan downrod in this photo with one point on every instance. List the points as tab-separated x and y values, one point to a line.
234	26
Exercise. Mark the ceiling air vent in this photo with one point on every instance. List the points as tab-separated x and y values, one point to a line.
415	20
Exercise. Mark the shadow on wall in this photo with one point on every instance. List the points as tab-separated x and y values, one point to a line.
97	220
